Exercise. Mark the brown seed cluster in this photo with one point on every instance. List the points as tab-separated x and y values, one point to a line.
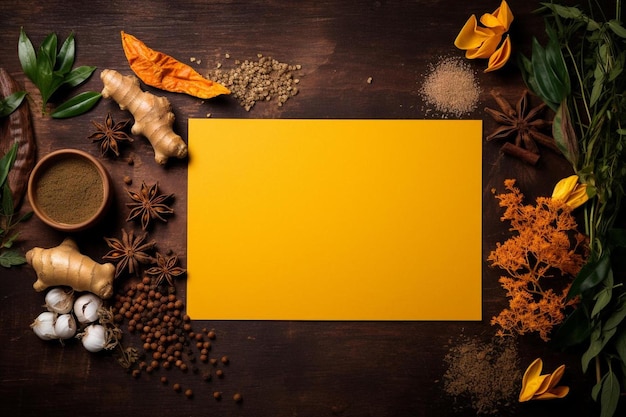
168	340
262	80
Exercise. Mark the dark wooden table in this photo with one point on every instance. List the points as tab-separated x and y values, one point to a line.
281	368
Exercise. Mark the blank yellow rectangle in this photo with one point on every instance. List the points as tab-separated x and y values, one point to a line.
334	219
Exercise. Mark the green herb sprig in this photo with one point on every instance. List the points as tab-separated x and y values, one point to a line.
50	70
580	75
9	220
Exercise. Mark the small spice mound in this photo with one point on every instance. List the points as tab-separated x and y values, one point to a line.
451	87
483	375
262	80
70	191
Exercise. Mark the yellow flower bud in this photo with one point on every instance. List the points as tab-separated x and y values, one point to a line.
570	191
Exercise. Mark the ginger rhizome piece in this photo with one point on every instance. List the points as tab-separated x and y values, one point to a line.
162	71
64	265
152	114
541	259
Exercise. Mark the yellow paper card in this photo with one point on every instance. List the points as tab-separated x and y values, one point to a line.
334	219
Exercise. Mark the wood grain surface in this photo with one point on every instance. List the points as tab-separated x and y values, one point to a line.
281	368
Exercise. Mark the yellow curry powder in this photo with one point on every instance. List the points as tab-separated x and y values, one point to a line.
70	191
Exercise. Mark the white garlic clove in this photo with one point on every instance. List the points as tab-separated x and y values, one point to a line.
94	338
60	300
65	326
43	326
86	308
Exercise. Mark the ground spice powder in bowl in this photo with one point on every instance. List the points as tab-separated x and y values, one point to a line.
69	190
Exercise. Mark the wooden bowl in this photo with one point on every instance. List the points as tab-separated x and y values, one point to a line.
69	190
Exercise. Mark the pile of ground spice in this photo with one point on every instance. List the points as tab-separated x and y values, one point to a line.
483	375
262	80
451	88
70	191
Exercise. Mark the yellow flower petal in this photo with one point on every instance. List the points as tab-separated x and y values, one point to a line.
549	383
503	17
492	22
471	35
500	56
571	192
556	392
532	380
485	50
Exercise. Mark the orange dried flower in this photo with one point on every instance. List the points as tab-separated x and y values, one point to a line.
545	247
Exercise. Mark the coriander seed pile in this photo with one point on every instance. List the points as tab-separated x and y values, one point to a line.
451	88
262	80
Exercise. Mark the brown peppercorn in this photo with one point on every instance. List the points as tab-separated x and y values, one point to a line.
211	334
188	393
136	373
164	380
217	395
219	373
225	360
177	387
238	397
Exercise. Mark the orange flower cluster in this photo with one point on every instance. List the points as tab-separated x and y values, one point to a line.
546	245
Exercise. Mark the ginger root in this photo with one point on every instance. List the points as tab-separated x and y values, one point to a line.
152	114
65	265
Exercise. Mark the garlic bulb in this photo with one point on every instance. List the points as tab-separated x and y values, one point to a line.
86	308
65	326
43	326
60	300
94	338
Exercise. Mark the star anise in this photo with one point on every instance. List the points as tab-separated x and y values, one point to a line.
166	268
128	252
525	124
110	134
148	204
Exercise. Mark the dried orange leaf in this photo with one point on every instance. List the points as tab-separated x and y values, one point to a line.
165	72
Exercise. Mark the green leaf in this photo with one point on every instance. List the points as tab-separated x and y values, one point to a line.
27	56
549	87
599	338
6	162
617	28
78	75
590	275
11	258
77	105
49	48
603	298
65	57
609	396
574	330
617	316
7	202
620	346
9	104
598	83
564	134
564	11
